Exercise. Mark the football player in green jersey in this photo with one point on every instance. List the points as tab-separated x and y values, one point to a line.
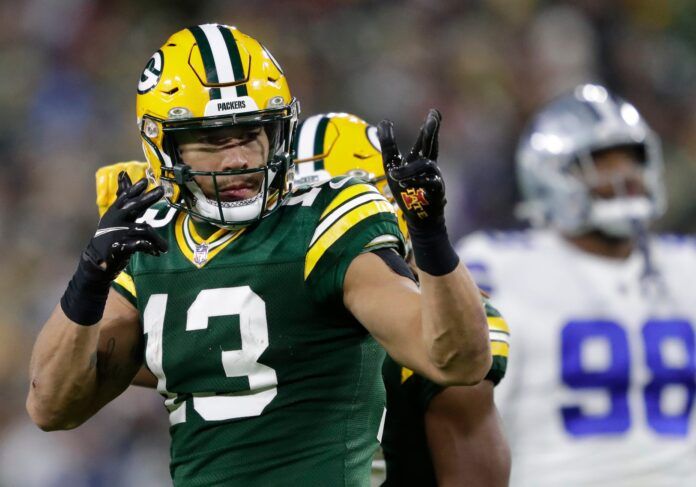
262	322
433	435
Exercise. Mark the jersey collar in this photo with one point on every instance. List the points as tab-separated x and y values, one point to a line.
198	250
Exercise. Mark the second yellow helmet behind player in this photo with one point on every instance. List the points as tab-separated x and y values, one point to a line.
333	144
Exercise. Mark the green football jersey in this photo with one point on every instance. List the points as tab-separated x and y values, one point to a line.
268	379
405	444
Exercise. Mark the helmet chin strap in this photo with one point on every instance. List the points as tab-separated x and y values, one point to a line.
643	244
652	284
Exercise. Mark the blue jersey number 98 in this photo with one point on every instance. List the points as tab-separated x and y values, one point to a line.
669	356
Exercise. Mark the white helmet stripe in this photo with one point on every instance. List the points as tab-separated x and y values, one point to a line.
222	60
305	143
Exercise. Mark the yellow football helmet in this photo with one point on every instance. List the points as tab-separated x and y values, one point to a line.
334	144
213	77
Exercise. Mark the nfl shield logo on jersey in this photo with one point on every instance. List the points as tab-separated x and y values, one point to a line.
200	256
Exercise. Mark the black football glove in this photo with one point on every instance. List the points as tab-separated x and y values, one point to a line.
418	188
415	180
118	236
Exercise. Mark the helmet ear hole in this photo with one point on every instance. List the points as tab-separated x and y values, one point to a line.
150	128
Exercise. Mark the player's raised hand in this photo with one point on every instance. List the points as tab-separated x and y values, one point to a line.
418	188
415	180
107	181
118	236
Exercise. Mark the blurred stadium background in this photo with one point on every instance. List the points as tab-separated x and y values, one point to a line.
67	93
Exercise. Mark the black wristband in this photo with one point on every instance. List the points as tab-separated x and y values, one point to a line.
85	297
432	250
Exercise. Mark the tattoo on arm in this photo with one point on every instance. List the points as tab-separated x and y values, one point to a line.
105	368
93	360
109	369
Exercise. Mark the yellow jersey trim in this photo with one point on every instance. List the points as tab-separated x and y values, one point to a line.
180	239
126	282
341	227
188	239
405	374
500	349
197	237
499	336
347	194
498	324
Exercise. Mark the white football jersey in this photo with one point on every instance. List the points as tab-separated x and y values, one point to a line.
601	378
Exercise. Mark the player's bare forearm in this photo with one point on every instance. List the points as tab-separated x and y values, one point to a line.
465	438
436	333
90	348
454	326
451	321
62	372
76	369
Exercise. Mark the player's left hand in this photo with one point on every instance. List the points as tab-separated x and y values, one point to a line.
415	180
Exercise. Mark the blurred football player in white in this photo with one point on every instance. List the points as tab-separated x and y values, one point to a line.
601	384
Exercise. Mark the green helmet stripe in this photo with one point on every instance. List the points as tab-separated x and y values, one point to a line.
235	58
319	142
208	60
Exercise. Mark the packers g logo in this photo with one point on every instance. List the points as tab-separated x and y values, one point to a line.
151	74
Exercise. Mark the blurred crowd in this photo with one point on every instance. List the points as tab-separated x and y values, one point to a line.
67	95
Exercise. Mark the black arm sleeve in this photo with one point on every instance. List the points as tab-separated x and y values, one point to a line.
395	262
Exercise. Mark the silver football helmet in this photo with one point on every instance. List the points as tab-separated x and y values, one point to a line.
559	144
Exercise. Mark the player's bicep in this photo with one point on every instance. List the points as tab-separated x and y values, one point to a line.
388	306
119	353
465	437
